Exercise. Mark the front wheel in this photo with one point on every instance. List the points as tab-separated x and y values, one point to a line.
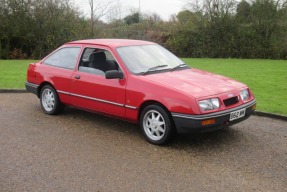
156	125
50	101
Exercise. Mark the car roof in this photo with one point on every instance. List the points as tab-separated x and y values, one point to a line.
112	42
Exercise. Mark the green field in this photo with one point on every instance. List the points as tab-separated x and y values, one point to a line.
266	78
13	73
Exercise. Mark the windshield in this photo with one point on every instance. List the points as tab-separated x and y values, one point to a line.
144	58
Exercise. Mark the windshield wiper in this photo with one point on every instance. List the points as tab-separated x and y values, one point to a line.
179	66
153	69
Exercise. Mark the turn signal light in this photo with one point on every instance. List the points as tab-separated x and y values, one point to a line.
207	122
253	107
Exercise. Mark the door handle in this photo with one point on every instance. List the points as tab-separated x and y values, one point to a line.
77	76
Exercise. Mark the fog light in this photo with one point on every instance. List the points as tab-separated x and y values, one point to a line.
207	122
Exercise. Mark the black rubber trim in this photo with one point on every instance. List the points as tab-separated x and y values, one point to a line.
32	88
216	114
187	125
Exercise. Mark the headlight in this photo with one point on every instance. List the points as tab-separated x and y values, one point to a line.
244	94
209	104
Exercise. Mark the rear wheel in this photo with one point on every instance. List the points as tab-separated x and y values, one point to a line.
50	101
156	125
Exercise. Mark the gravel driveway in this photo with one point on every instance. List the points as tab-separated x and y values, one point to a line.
81	151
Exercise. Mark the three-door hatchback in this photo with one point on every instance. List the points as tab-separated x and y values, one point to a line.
141	82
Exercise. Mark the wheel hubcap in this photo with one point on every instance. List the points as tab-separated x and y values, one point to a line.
48	100
154	125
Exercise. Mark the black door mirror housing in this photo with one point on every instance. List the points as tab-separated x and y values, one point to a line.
114	74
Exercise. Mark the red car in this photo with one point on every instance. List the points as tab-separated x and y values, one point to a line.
141	82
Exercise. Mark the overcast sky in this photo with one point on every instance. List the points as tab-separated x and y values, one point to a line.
165	8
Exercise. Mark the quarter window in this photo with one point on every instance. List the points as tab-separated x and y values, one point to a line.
64	58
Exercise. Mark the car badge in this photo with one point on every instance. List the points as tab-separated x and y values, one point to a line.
230	95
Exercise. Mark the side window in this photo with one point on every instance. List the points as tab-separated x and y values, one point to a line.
109	56
87	53
97	61
64	58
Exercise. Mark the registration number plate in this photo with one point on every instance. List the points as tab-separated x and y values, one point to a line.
237	114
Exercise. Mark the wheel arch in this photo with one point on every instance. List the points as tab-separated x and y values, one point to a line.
41	86
153	102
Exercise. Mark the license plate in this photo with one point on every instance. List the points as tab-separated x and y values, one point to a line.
237	114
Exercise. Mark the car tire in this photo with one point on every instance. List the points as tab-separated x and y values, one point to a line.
50	101
156	125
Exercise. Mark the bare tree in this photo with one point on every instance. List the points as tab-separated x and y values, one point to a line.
100	8
116	13
212	8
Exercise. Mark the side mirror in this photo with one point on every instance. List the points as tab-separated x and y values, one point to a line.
114	74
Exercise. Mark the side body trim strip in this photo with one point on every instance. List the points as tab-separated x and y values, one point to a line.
99	100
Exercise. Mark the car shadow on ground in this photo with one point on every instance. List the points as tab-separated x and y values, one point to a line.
208	141
102	121
223	137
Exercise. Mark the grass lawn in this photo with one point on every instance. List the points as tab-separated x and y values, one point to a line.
13	73
266	78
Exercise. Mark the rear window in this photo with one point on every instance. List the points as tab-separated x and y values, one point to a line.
64	58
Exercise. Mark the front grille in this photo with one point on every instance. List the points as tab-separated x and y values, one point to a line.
230	101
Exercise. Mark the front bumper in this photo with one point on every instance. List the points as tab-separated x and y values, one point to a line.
193	123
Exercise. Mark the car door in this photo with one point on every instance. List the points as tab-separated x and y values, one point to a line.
91	90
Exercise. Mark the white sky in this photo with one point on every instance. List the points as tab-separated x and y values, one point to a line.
164	8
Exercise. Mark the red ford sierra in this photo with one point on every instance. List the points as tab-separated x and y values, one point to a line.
141	82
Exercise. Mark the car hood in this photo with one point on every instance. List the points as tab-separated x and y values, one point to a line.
194	82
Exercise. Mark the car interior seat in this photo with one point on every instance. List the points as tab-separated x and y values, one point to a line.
99	61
